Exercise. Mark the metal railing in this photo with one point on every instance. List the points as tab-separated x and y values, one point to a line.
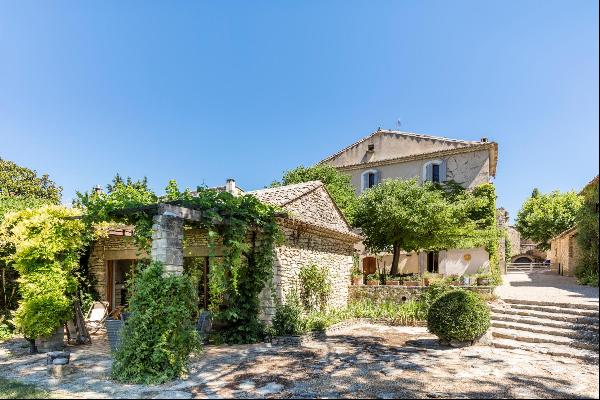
528	267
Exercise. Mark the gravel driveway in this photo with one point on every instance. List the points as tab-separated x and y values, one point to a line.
360	361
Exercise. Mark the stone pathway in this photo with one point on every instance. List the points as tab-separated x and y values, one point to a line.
360	361
546	286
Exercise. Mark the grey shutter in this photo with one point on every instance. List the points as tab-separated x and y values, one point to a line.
365	182
377	177
429	173
443	171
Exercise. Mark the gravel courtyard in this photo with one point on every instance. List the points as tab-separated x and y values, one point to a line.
363	361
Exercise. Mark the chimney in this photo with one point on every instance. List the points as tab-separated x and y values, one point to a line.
483	140
230	186
98	189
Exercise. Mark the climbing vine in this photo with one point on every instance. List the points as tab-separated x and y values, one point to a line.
245	228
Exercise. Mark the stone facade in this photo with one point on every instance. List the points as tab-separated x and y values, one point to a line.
315	232
564	252
402	155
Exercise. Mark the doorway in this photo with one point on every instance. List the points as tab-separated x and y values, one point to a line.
433	262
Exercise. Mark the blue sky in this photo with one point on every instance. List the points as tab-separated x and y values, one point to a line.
203	91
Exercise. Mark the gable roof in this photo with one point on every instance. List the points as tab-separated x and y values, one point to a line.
397	146
308	203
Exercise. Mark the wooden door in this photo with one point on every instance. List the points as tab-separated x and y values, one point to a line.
369	265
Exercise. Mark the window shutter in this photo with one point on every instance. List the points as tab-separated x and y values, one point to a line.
429	173
443	171
365	181
377	177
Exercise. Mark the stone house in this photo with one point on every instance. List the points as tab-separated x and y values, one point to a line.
314	232
564	249
564	252
393	154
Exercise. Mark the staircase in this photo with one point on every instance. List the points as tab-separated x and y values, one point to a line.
557	329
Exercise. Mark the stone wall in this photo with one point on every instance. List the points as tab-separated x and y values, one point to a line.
304	247
397	294
565	253
113	247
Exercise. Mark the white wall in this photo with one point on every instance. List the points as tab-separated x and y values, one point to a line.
453	261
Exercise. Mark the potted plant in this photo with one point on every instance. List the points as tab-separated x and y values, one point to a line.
373	280
454	280
357	277
483	280
429	278
412	280
393	281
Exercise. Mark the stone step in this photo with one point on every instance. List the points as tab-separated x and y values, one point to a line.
556	310
543	322
576	319
552	350
553	304
581	335
531	337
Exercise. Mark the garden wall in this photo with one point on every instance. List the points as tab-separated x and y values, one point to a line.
398	294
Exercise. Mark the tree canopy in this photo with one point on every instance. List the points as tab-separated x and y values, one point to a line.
337	184
543	216
588	236
404	215
17	181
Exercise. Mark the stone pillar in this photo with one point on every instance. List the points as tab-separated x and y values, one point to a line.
167	242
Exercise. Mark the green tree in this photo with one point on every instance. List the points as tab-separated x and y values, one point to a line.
17	181
588	236
403	215
337	183
44	246
543	216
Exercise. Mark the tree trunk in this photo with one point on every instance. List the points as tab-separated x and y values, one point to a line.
395	260
32	347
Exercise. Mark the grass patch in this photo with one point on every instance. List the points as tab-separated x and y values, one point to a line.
10	389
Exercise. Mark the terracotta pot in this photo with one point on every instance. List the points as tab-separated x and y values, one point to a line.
454	283
372	283
357	280
426	281
393	282
412	283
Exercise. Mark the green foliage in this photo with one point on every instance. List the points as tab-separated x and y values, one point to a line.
44	246
160	333
315	287
248	231
338	184
458	315
100	208
402	214
588	237
16	390
17	181
544	216
288	318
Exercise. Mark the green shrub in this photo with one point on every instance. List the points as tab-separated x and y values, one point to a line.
160	333
44	246
315	287
288	317
458	315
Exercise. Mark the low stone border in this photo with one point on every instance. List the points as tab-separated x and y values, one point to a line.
310	337
399	294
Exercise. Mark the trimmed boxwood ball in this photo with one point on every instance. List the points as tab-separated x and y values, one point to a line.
459	315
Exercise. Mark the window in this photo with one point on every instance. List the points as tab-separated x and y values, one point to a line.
370	178
434	171
433	262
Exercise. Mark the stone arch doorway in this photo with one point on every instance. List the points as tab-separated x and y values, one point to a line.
521	259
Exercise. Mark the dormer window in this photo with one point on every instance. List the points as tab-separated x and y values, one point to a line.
370	178
434	171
